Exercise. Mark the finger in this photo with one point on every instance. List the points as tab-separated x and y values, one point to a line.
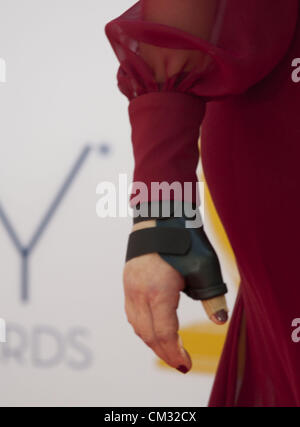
166	325
216	309
139	316
145	329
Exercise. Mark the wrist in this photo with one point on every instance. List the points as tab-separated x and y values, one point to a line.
144	224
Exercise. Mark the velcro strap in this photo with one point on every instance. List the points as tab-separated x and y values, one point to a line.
168	241
164	209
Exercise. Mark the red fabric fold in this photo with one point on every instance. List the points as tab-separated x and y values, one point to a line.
246	41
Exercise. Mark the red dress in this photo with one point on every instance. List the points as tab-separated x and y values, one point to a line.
227	65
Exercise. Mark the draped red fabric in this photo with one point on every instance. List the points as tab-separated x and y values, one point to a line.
226	65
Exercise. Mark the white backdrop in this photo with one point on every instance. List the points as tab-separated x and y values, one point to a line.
69	342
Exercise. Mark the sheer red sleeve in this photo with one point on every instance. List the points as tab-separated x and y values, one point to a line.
176	55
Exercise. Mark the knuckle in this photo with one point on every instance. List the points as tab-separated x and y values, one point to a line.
142	291
132	288
129	277
149	341
164	337
153	291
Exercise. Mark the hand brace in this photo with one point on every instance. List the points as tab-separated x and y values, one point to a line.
188	250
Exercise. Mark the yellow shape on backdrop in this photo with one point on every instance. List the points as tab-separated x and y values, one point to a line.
204	342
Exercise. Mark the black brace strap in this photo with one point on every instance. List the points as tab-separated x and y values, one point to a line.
188	250
172	241
164	209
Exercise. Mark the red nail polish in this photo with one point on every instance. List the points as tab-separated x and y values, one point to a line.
221	316
182	369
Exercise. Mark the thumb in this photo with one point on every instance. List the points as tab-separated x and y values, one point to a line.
216	309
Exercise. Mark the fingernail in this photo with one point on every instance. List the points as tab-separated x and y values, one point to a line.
221	316
182	369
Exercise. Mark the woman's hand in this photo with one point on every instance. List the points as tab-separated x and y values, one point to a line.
152	290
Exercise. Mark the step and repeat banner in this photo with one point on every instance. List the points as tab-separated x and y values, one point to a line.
64	130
